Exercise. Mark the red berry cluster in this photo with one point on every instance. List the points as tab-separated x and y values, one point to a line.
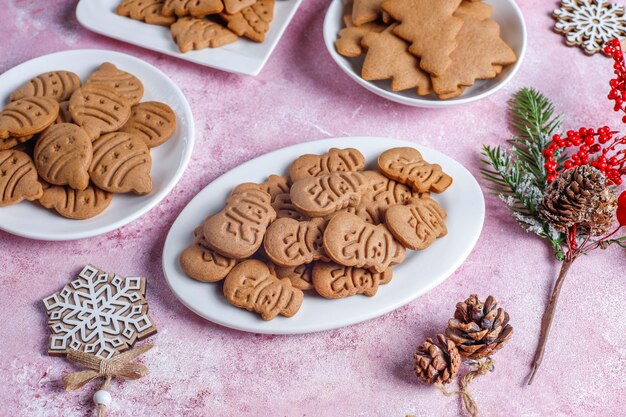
598	148
618	84
589	142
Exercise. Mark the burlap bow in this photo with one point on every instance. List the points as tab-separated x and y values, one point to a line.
117	366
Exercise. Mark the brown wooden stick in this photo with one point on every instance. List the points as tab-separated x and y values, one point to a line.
548	316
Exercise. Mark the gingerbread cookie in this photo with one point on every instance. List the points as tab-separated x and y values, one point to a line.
250	285
365	11
289	242
18	178
27	116
300	276
201	263
190	33
58	85
64	113
275	185
237	231
63	155
479	48
253	22
121	164
335	160
430	27
324	195
388	57
149	11
385	190
152	121
381	193
366	210
407	166
348	42
98	109
417	224
194	8
126	85
235	6
337	281
456	93
476	9
285	209
12	142
351	241
76	204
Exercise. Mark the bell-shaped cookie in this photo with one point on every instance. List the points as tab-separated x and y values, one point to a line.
63	155
121	164
59	85
98	109
125	84
76	204
27	116
152	121
18	178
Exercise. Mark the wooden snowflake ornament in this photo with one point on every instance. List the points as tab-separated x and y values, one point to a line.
98	313
590	23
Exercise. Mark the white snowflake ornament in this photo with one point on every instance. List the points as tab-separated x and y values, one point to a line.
590	23
98	313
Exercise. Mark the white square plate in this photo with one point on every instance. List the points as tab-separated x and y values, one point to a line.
242	57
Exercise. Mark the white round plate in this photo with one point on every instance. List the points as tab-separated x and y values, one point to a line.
168	160
418	274
512	30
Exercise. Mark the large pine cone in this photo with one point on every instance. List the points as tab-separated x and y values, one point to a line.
579	196
437	361
479	329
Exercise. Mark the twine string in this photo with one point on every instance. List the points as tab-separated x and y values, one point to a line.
482	368
120	366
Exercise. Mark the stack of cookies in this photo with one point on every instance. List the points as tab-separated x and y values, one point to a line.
329	226
71	146
199	24
432	46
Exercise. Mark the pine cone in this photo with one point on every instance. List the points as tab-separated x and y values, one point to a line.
479	329
579	196
437	361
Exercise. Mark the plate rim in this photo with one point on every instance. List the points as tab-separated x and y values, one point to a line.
418	101
252	66
165	258
159	196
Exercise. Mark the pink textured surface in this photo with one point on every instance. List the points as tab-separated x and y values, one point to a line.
201	369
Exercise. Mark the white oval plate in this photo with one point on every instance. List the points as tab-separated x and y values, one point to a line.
241	57
512	30
418	274
168	160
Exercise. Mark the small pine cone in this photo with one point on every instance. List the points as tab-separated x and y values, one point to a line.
437	361
479	329
579	196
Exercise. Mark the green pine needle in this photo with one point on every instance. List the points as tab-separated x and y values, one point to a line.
517	174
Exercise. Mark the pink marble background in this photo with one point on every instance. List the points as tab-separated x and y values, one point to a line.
201	369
